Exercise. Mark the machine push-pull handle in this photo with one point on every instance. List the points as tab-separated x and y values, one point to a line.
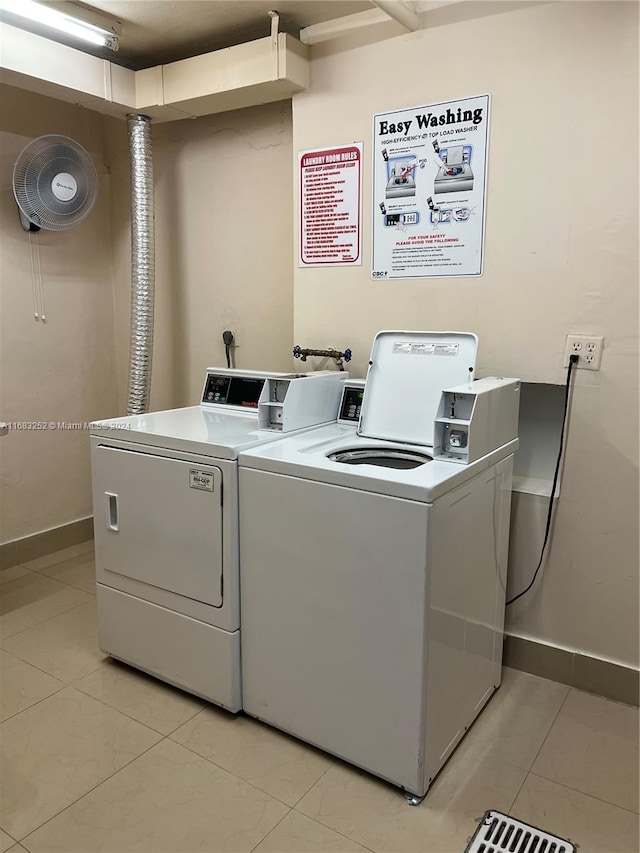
112	511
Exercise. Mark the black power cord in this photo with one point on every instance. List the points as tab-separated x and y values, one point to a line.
227	338
573	360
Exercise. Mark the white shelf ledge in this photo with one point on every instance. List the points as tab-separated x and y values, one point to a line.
532	486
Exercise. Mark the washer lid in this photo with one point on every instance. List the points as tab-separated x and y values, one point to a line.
407	373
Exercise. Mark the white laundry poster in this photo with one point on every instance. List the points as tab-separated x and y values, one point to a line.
330	206
429	190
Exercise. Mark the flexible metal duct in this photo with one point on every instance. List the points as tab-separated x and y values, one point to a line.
142	263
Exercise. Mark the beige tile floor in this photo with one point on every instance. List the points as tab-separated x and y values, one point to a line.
99	757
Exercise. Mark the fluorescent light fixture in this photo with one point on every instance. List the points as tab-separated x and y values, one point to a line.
63	23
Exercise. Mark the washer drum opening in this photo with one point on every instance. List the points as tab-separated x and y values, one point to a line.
381	456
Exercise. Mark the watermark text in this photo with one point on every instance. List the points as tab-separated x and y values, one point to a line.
28	426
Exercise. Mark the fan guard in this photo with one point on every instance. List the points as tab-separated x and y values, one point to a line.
55	183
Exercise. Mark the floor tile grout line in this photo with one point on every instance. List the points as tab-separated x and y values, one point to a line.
230	772
207	705
518	792
333	829
163	735
75	685
313	784
50	674
184	723
63	560
3	587
8	569
584	793
24	563
70	585
85	556
39	668
553	722
10	836
535	758
66	583
17	566
606	698
84	675
118	711
36	703
72	685
337	831
49	618
264	838
39	571
93	788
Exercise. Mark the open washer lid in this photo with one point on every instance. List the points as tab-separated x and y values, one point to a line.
407	373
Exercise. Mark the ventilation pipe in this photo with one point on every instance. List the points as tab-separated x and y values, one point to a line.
142	263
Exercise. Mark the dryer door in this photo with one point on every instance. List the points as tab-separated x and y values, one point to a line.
159	520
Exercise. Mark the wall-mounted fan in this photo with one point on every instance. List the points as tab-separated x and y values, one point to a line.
55	183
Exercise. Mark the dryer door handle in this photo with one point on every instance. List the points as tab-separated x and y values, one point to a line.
112	511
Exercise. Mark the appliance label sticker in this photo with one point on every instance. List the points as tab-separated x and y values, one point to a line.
420	348
429	190
202	480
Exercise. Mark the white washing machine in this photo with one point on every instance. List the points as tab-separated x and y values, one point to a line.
374	563
165	500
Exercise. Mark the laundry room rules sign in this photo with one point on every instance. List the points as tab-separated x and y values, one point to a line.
330	206
429	190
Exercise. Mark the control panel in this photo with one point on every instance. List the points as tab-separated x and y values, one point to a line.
351	403
281	401
243	391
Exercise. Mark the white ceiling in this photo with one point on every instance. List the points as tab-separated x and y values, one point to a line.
159	31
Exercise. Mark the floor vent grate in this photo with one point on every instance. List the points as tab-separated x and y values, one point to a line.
499	833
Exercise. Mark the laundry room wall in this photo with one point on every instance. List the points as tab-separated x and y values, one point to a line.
561	255
58	375
223	246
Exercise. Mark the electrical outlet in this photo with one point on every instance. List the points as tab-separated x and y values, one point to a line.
588	348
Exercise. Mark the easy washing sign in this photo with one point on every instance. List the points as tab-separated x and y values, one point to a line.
429	190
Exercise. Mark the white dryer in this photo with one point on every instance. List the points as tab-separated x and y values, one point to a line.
165	498
374	563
